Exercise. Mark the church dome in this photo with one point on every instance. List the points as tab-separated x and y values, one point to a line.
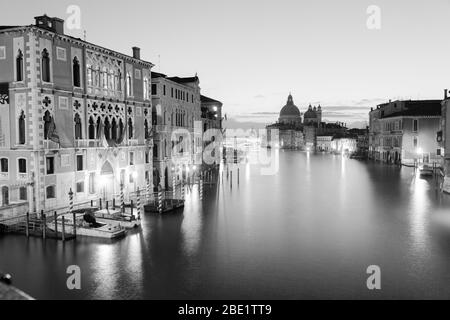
290	109
310	113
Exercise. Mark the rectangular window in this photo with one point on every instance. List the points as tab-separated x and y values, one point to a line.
192	98
92	183
131	178
438	152
154	89
415	142
171	92
2	53
61	54
4	165
80	187
50	164
137	74
23	194
79	163
147	158
50	192
22	166
164	90
415	125
131	158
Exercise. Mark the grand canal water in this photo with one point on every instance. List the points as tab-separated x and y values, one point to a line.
309	231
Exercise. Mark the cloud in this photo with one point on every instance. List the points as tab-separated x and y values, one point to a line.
259	96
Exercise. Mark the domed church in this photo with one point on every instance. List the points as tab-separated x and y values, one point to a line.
293	132
290	114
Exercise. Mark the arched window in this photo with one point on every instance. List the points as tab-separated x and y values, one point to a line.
45	66
99	121
105	78
147	135
22	167
47	122
76	73
130	128
23	193
128	85
50	192
96	76
119	81
107	129
89	75
120	128
5	196
114	130
22	128
78	128
91	129
19	66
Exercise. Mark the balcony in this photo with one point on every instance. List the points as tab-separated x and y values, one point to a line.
4	176
51	145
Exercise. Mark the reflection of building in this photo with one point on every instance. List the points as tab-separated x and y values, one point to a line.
74	115
443	138
295	133
176	109
405	132
344	145
362	141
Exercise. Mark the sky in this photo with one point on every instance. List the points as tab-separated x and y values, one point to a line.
250	54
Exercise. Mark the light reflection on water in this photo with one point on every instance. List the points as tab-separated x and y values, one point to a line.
310	231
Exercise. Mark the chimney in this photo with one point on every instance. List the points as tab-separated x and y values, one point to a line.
137	53
445	94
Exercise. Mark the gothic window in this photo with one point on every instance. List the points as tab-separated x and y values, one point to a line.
128	85
98	127
107	129
5	196
45	66
130	128
164	119
147	135
120	128
89	75
114	130
47	122
96	76
118	81
78	127
105	78
91	129
19	66
22	128
76	73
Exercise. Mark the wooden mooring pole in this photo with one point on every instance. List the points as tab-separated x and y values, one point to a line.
27	231
43	226
63	231
55	217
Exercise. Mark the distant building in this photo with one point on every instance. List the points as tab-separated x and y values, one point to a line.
300	133
443	138
211	117
324	143
404	132
362	141
289	126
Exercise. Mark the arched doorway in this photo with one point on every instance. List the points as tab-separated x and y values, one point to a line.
107	181
5	196
166	179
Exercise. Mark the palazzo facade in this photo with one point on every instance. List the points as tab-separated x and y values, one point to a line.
73	116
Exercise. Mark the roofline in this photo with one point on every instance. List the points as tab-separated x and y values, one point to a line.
85	43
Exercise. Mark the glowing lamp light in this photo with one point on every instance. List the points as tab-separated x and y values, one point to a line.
419	150
214	108
194	168
135	174
187	169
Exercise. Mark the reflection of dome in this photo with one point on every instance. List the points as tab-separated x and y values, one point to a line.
290	109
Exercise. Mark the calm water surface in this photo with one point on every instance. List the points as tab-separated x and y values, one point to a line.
310	231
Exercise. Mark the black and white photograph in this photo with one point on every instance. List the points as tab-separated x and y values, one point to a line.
229	151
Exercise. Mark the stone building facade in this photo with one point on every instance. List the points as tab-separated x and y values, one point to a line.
73	116
404	132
